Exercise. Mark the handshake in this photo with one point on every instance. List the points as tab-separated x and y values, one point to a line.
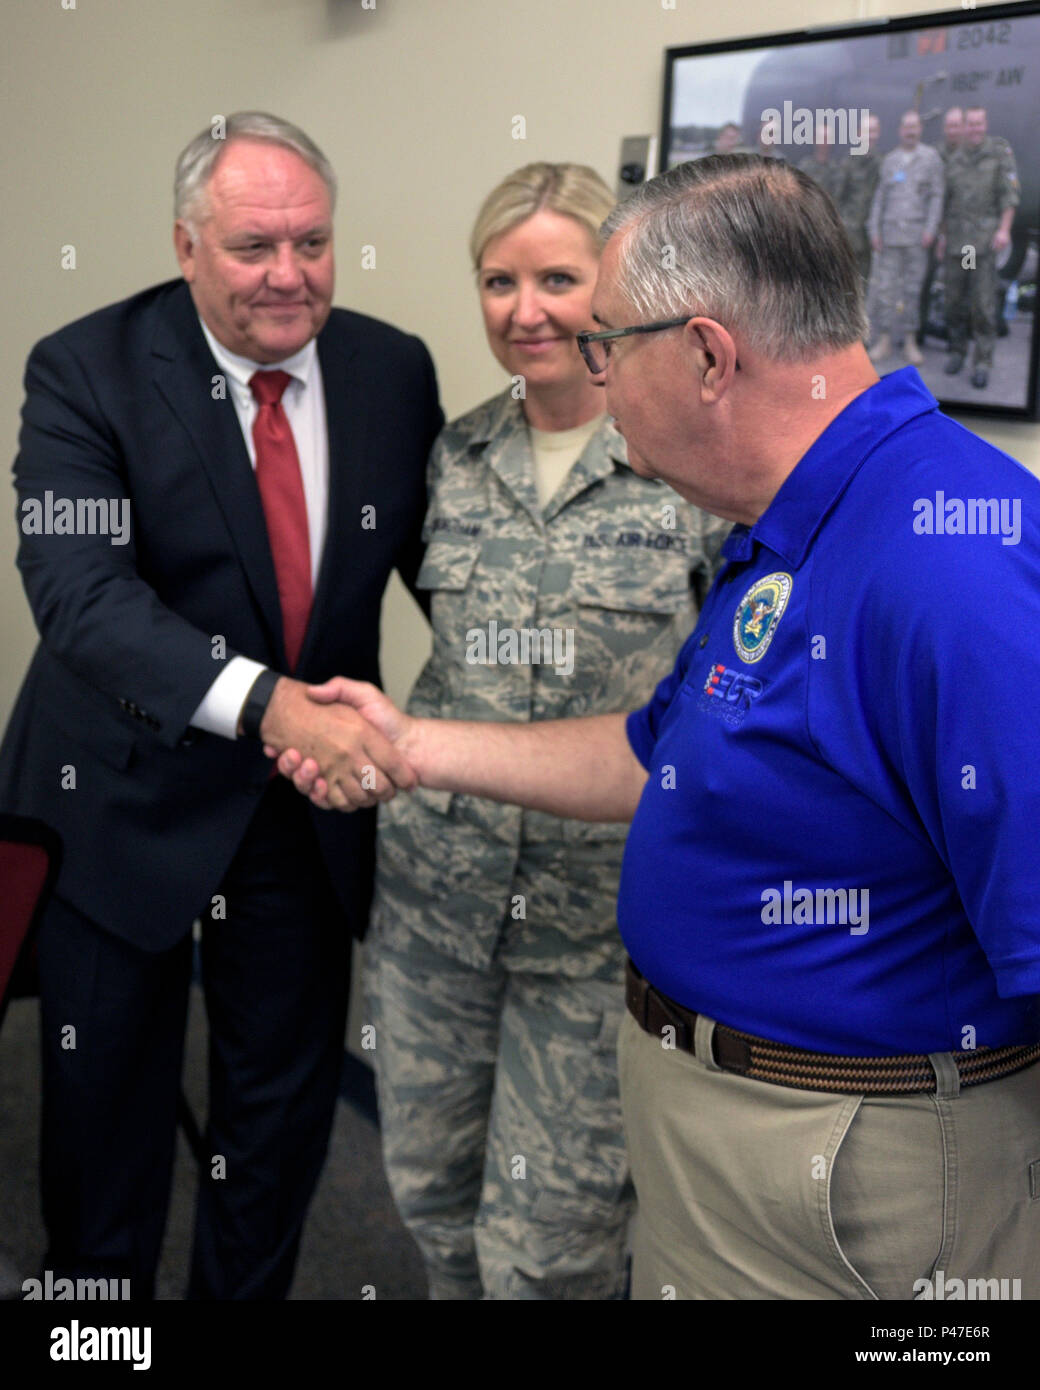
344	744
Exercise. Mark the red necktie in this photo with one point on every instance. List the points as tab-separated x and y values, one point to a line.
281	492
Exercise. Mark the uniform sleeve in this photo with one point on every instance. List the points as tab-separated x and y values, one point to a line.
642	725
874	220
841	191
1009	188
935	199
872	184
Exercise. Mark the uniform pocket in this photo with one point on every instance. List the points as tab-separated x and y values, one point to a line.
633	581
598	832
448	563
409	808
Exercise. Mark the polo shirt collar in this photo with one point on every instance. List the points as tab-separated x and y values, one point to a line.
821	475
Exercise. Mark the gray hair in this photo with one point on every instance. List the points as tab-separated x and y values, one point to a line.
751	242
198	160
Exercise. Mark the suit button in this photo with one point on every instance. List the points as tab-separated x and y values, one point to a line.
704	640
187	740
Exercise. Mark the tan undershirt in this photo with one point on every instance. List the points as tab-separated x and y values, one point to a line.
555	454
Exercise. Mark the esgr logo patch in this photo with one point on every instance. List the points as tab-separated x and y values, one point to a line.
729	694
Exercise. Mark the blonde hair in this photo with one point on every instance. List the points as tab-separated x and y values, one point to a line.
574	190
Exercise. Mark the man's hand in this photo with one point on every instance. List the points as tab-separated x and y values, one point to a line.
360	765
1001	240
875	242
309	774
940	245
582	768
926	239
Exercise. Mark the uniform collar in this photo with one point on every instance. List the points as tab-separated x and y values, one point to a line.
503	416
499	429
790	522
986	147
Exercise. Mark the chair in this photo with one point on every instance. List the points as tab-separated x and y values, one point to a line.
30	857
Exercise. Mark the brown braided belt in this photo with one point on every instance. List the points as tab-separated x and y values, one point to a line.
746	1055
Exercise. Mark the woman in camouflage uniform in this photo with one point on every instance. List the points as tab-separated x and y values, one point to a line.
561	584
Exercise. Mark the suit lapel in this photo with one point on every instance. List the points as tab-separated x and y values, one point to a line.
347	413
184	372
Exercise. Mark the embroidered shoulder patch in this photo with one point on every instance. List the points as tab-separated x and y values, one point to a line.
758	613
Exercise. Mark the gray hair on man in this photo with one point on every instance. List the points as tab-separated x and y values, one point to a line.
753	243
198	159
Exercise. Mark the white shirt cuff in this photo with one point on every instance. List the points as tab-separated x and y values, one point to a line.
221	706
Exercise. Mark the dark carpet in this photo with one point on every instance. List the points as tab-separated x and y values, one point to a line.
353	1236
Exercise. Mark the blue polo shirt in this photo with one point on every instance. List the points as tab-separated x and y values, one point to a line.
838	846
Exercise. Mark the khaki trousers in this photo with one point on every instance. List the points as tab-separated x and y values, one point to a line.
748	1190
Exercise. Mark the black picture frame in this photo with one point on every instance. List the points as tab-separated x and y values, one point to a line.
928	62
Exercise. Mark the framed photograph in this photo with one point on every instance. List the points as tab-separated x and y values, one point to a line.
925	130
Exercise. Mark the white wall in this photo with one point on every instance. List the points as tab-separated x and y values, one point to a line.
413	102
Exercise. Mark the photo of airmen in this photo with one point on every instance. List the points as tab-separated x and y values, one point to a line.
953	133
822	165
903	224
981	198
764	144
918	137
854	191
729	140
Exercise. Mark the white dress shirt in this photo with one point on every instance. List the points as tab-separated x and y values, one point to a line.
304	404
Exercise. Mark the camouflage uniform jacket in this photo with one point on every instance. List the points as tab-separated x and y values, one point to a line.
617	561
828	173
981	184
855	190
909	198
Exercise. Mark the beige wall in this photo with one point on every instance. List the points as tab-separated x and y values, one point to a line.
413	102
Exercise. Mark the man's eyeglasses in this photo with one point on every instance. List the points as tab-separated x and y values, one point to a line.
596	356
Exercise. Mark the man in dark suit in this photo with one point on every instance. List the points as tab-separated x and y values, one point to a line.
215	479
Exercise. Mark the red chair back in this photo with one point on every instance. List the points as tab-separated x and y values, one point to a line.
30	854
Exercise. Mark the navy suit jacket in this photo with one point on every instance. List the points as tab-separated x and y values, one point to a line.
126	404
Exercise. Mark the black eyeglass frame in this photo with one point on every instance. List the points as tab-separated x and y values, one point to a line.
584	339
